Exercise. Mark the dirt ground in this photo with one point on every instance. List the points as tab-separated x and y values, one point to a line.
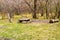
40	21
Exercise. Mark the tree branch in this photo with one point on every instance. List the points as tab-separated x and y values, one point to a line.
28	5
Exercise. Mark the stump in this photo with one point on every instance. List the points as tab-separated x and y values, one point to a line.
53	21
24	20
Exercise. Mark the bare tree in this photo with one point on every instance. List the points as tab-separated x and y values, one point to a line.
9	6
33	9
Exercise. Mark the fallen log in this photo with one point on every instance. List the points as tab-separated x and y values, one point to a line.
53	20
23	20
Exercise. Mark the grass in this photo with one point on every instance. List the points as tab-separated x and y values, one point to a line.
29	31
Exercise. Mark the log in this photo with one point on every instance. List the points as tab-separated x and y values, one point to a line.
53	20
24	20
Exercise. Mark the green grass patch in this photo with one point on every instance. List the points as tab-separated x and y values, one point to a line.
31	31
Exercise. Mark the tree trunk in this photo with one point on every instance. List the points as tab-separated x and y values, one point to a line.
59	14
35	9
10	17
58	9
47	14
3	15
47	9
42	13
